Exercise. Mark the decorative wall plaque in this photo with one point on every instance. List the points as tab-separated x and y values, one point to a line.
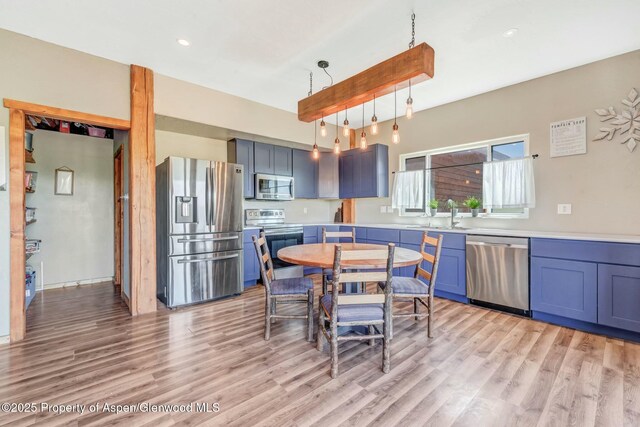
626	124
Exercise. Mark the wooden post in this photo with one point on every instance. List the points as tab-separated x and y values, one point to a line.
349	205
17	318
142	184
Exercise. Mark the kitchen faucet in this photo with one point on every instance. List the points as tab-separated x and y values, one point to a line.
454	212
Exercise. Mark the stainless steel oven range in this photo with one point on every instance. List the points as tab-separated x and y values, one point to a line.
279	235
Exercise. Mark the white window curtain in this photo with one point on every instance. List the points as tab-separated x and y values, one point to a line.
408	191
509	184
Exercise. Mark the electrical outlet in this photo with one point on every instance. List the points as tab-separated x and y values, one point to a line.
383	209
564	209
304	210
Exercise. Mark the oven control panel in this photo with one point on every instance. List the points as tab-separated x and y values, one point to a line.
257	217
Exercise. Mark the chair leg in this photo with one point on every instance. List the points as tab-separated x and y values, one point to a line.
267	318
310	315
324	284
372	341
320	337
334	350
273	310
415	307
430	319
386	343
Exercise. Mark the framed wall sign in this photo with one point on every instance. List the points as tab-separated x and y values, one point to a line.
64	181
568	137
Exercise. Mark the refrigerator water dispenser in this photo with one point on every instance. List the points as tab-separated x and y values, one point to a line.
185	209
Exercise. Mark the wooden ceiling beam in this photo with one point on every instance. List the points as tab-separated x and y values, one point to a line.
415	65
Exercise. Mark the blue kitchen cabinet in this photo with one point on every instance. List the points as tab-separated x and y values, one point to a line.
240	151
283	160
565	288
451	281
619	296
305	175
264	156
364	173
251	265
272	159
311	236
347	175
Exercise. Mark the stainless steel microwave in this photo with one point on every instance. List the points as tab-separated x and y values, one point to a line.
274	187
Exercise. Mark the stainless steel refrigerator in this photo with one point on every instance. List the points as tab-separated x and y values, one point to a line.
199	230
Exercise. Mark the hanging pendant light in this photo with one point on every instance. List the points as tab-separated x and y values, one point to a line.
315	152
363	135
323	128
409	112
345	124
374	119
336	143
395	136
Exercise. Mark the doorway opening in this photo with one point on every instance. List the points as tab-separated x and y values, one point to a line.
70	216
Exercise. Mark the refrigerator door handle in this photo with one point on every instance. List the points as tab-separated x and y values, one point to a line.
208	239
187	261
207	202
212	197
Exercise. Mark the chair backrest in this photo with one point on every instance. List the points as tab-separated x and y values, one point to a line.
434	259
373	257
264	259
338	234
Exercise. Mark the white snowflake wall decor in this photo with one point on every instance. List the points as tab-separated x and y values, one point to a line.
626	124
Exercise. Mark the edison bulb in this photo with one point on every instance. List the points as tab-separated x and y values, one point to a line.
345	128
336	146
409	112
395	136
363	140
316	153
323	128
374	125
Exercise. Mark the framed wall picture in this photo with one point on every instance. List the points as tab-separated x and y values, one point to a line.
64	181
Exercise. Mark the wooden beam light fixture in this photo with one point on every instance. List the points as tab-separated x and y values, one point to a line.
412	66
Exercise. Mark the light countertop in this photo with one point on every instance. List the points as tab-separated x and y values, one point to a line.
595	237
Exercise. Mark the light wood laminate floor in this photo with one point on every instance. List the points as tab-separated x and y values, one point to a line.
482	368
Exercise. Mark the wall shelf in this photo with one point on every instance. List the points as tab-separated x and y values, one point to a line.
28	157
31	221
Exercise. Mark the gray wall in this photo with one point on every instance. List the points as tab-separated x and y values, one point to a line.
602	185
76	231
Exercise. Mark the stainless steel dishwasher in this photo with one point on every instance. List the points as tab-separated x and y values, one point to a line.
498	273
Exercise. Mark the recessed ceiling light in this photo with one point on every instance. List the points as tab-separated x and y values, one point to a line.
510	33
183	42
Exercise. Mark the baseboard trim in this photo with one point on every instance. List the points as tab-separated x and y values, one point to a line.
78	283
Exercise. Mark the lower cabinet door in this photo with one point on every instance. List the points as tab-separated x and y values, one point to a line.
565	288
619	296
452	272
251	267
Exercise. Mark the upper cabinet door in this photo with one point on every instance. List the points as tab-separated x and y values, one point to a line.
328	176
365	173
264	158
283	164
244	156
348	175
305	175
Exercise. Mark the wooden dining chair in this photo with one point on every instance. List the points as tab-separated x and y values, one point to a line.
372	311
326	274
420	287
291	290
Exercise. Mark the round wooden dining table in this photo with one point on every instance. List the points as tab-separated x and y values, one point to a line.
321	255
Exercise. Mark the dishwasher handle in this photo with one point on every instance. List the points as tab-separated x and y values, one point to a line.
498	245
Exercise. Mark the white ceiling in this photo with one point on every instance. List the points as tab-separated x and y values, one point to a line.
264	50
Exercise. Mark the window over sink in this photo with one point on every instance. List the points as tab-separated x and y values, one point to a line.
456	173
